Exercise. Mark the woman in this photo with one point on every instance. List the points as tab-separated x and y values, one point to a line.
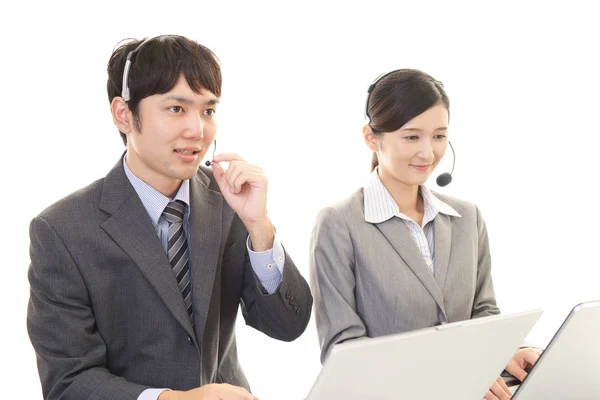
394	256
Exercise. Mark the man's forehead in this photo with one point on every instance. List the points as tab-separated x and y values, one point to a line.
182	92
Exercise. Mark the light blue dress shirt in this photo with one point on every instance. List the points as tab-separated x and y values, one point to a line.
267	265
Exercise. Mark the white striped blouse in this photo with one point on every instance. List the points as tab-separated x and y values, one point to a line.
380	206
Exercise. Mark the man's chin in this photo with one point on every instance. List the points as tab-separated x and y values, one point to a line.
187	173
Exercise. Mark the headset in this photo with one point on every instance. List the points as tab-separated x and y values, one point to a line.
125	93
443	179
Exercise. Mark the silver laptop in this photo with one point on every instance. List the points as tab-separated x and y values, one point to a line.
570	366
458	361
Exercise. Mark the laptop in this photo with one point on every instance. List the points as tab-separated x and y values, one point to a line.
427	363
570	366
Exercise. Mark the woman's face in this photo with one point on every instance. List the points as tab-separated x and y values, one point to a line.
411	153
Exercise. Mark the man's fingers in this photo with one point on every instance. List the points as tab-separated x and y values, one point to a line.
228	157
230	392
240	173
220	176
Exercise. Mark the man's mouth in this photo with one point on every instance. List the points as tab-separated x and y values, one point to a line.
187	152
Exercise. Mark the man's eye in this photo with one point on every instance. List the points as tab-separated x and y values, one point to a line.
210	112
176	109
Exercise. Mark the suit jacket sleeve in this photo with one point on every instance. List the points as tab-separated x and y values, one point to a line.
283	314
331	266
484	303
71	355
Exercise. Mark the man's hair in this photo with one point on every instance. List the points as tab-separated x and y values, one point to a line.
156	65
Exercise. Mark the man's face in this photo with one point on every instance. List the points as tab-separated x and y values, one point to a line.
175	131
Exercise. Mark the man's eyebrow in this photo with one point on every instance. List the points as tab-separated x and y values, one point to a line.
186	100
180	99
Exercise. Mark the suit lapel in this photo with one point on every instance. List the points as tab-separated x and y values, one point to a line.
398	236
131	228
206	227
443	241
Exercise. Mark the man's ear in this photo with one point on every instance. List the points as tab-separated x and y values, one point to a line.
122	116
369	138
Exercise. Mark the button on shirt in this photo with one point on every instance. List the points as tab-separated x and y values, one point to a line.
380	206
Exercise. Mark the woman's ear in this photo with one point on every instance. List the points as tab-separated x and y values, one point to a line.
122	116
369	138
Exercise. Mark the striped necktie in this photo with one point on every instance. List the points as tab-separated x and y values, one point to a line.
177	251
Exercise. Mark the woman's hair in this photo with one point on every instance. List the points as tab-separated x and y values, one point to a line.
398	97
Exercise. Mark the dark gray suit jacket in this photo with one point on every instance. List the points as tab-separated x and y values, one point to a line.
371	280
105	315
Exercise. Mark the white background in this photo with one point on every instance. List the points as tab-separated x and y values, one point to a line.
524	87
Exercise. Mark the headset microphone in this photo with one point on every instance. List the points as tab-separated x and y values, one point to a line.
208	163
445	178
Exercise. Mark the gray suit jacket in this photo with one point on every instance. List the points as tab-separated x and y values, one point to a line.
370	280
105	315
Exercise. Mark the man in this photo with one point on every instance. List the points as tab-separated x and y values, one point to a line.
136	279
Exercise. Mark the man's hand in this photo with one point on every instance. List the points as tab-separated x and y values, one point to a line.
213	391
523	358
498	391
244	187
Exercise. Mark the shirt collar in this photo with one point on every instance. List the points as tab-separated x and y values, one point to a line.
436	203
155	202
380	205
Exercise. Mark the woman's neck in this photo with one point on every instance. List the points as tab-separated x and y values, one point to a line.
407	197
